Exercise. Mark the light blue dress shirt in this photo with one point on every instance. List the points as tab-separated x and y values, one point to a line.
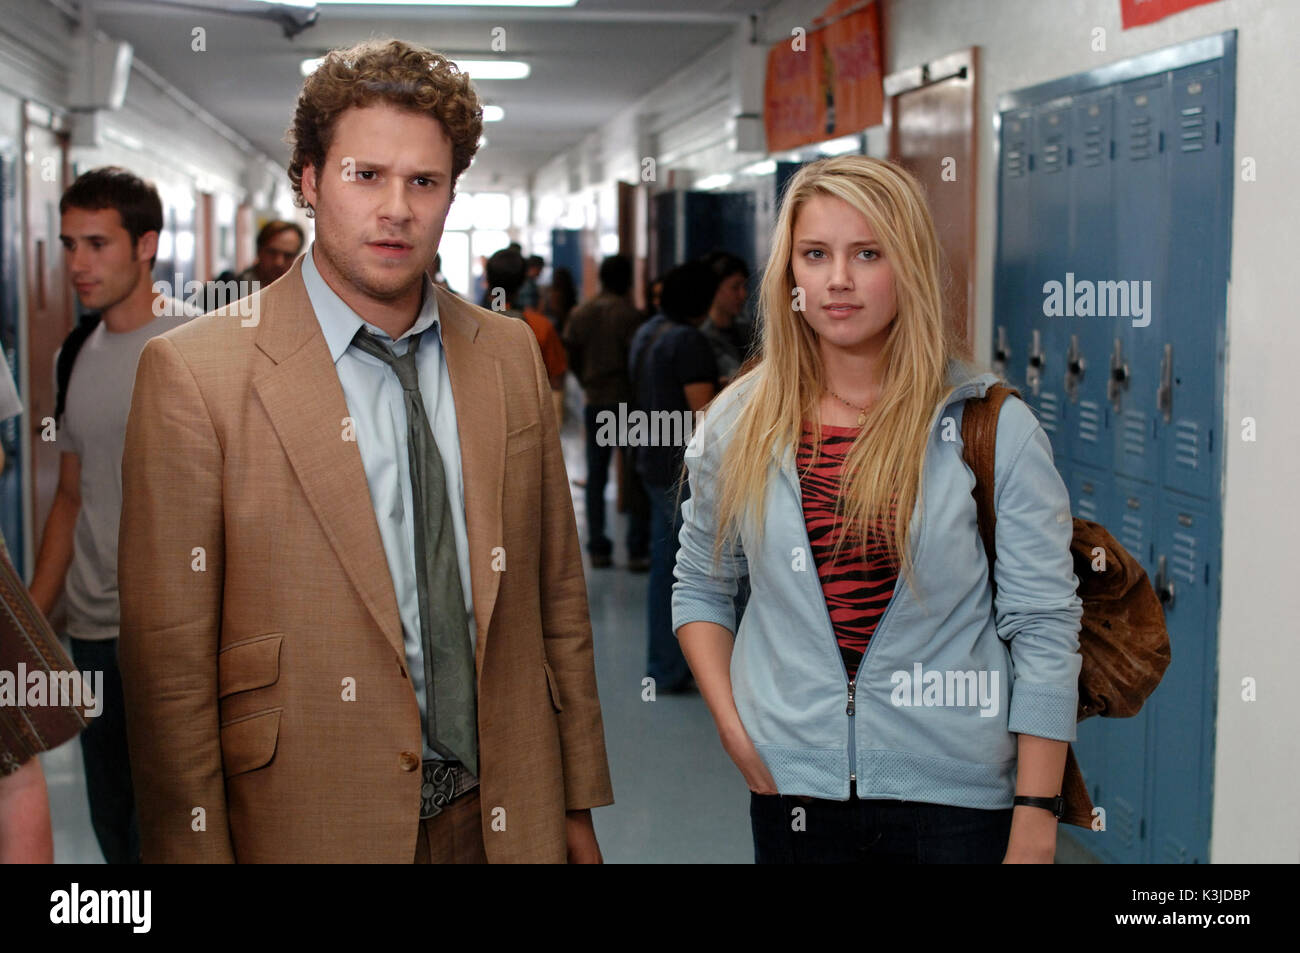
377	408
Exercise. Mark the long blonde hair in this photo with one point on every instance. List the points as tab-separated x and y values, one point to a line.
785	385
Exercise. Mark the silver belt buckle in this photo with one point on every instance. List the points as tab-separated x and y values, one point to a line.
437	788
441	783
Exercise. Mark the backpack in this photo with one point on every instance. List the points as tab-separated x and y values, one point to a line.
68	357
1123	639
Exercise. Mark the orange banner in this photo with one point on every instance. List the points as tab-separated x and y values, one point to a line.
826	82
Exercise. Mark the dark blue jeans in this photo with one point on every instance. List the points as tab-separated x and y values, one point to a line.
598	459
105	756
874	831
664	660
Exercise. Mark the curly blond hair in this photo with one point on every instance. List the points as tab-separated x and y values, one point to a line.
388	71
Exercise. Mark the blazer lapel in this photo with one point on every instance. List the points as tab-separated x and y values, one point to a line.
478	389
304	399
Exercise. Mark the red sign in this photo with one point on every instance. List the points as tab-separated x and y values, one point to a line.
825	82
1141	12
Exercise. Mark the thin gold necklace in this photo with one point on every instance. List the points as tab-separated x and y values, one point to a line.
862	411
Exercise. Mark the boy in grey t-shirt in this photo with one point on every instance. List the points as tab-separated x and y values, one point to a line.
110	221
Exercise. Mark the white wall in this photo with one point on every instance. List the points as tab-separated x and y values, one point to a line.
1026	42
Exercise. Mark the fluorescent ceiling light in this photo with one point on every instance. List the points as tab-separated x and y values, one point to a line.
477	69
763	167
841	146
713	182
493	113
426	3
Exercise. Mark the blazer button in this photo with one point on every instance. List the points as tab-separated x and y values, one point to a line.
408	761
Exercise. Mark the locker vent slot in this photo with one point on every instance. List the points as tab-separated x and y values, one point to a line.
1187	444
1053	155
1141	140
1131	532
1095	146
1015	165
1172	852
1089	421
1183	564
1124	822
1049	413
1135	434
1087	508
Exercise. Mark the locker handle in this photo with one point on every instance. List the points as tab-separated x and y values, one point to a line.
1118	374
1164	586
1165	390
1074	365
1002	351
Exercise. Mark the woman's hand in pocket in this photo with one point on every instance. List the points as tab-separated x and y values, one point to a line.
741	750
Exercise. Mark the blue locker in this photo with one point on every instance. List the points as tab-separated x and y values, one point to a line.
1148	146
691	224
719	220
1141	252
1049	197
1012	295
566	252
1192	358
1092	258
1127	741
1187	580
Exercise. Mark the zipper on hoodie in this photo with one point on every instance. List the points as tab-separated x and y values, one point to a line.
851	708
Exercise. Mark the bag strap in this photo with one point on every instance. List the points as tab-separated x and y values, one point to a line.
979	434
68	352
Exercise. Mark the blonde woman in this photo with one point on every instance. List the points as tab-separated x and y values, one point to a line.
878	702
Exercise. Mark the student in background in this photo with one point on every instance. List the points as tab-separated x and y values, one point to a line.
561	298
598	337
530	296
505	274
673	370
728	335
109	225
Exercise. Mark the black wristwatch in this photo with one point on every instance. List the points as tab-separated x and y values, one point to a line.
1054	804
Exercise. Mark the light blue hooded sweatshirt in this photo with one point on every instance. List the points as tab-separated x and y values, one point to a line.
948	678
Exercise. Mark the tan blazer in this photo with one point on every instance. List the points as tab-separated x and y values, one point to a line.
269	711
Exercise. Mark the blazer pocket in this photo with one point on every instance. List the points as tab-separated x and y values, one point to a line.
553	685
523	439
252	663
248	743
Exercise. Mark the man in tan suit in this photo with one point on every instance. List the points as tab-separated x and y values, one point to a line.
277	639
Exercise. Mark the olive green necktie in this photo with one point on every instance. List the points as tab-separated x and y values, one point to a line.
450	724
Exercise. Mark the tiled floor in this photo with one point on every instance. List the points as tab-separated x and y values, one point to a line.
678	799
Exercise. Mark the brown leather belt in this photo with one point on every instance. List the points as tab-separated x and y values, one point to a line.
442	783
